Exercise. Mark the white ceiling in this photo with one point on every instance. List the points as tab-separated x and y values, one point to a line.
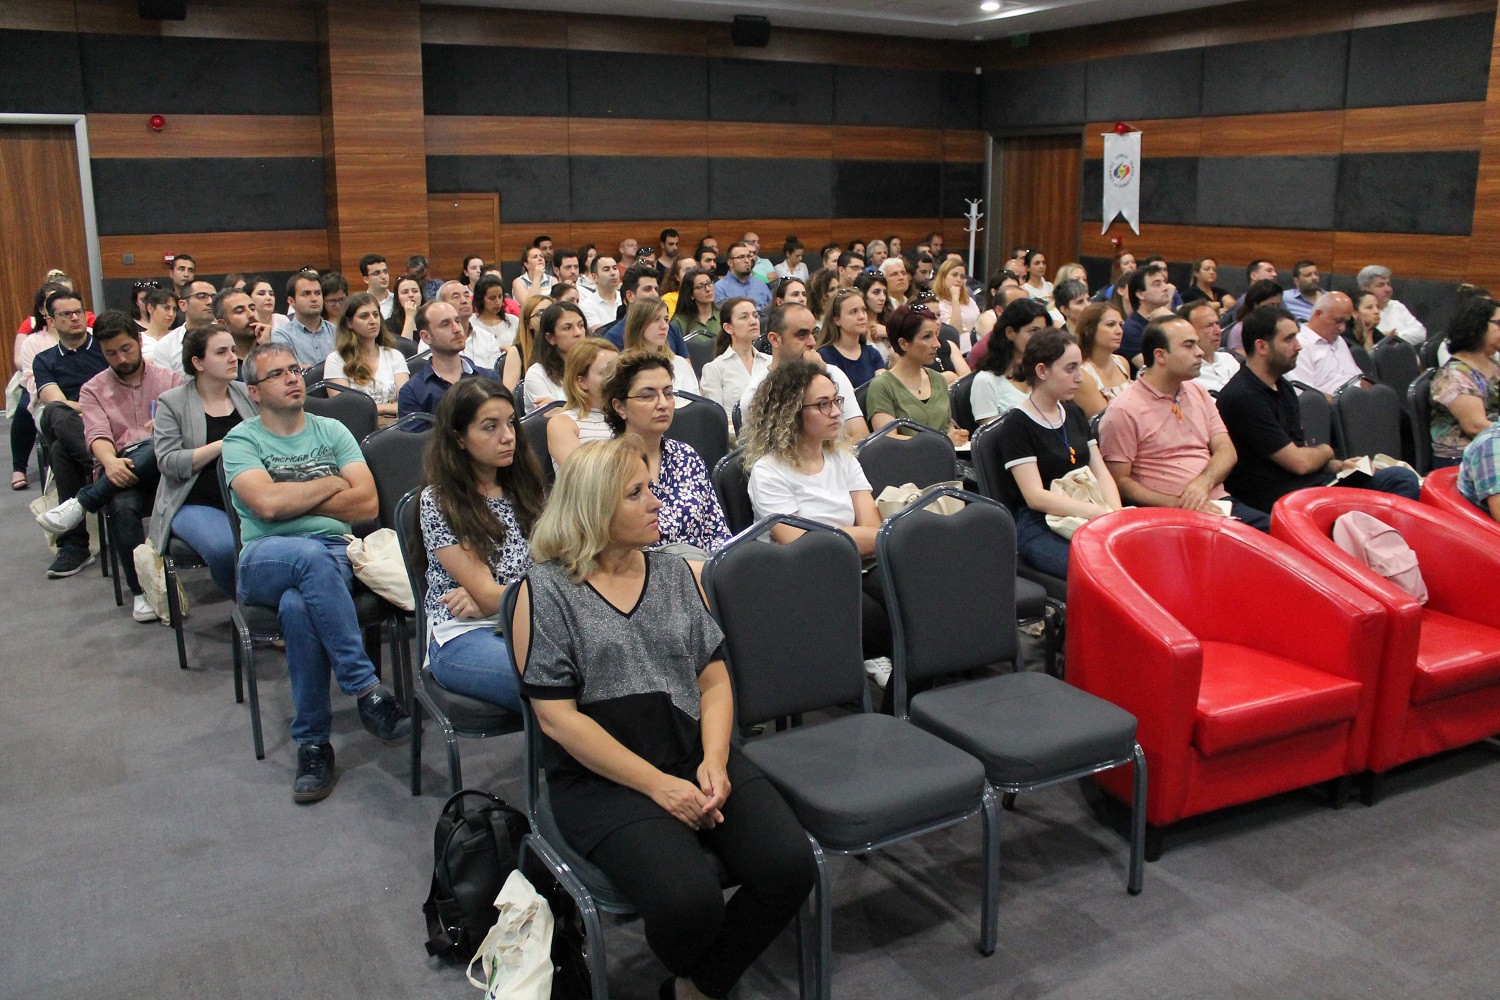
955	19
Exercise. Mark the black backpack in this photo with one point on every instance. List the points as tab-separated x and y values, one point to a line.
474	851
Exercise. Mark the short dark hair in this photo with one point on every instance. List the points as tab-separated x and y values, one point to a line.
543	238
924	258
1471	325
332	281
905	323
1155	336
195	345
634	275
160	296
560	254
62	293
792	245
112	323
221	296
776	318
668	232
623	372
184	256
291	283
1135	286
1250	267
368	261
1067	291
1186	310
1044	348
1261	325
849	257
594	264
1297	267
703	249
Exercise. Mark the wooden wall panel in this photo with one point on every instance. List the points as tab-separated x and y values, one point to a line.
1163	137
216	253
460	225
636	137
753	139
1285	134
872	142
1039	200
496	135
1438	258
282	20
1417	128
112	136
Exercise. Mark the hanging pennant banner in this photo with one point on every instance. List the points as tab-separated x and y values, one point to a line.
1122	179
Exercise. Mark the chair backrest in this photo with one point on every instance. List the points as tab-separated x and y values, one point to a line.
922	457
1440	490
950	588
704	425
984	453
1397	364
313	377
732	486
1419	404
418	361
407	524
959	404
791	620
229	509
1431	349
408	348
353	409
737	417
1367	420
1362	358
533	761
534	426
1317	415
394	455
1094	423
862	396
700	348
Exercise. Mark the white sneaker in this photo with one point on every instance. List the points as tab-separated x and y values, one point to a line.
879	670
142	611
63	518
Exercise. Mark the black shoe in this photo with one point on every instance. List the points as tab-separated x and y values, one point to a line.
315	773
70	561
385	719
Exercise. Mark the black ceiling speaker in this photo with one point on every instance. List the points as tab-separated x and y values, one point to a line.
749	31
162	10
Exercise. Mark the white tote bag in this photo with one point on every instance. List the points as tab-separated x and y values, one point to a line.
516	955
376	560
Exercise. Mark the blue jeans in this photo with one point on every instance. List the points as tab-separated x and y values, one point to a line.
1400	482
1257	519
207	530
126	506
306	578
476	664
1039	546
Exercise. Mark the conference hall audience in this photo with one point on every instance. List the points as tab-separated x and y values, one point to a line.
647	327
1364	328
1204	287
1395	318
534	278
792	265
366	357
529	329
1100	332
406	300
910	389
581	417
790	333
491	329
335	291
310	336
1036	283
742	281
843	337
1070	297
1306	292
1466	389
736	359
1148	295
1120	270
563	325
600	300
195	308
440	331
1219	365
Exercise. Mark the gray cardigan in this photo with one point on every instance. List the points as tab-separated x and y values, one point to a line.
181	428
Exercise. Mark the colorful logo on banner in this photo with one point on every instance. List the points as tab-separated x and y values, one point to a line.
1122	179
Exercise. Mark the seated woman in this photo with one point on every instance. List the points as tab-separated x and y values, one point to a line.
622	664
533	279
483	496
1036	284
736	360
1000	385
1466	389
639	398
365	356
695	312
492	331
1363	328
1044	440
562	326
1106	374
646	329
1069	299
191	421
529	330
1205	273
671	282
403	319
581	418
909	389
955	306
843	339
1264	292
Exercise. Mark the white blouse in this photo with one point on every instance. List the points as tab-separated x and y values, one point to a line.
725	377
383	389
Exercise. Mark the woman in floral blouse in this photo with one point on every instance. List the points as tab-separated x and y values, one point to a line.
1466	390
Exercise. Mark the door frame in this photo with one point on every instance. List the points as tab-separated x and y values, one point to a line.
85	188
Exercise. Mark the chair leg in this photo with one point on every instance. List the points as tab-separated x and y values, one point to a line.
239	669
103	545
416	746
1155	840
247	653
1370	787
1055	622
174	612
807	948
108	555
455	769
824	927
1138	850
990	905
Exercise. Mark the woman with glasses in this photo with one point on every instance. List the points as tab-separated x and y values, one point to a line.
161	315
365	356
695	313
1466	389
646	328
910	389
639	399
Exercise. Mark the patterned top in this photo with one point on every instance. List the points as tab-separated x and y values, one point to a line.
509	562
1479	472
690	510
1458	378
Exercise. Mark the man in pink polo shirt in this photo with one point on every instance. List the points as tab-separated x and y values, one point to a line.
1162	437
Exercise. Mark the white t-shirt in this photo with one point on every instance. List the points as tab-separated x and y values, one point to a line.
591	427
800	272
388	306
596	310
990	395
840	380
777	488
383	390
168	350
486	342
538	386
684	379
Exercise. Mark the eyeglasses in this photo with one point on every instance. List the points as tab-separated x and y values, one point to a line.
200	295
739	256
275	373
652	395
69	314
827	407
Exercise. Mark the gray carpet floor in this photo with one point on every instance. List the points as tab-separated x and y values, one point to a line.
144	852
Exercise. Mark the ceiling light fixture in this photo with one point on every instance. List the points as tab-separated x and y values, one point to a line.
989	6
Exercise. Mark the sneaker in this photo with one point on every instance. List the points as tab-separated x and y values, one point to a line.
142	611
879	670
70	561
63	518
385	719
315	773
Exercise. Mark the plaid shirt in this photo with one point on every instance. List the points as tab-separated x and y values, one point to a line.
1479	472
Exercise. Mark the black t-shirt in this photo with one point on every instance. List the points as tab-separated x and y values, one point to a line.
1056	450
1194	293
205	491
1261	421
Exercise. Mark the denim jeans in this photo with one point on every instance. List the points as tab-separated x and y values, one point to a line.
1039	546
207	530
306	578
1397	481
1257	519
477	664
126	506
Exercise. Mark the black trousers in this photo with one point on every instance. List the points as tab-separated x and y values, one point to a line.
72	464
660	866
127	507
875	623
22	435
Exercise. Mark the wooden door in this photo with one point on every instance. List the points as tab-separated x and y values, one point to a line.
41	221
459	226
1040	181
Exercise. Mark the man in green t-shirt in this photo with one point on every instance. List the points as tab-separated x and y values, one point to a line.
297	482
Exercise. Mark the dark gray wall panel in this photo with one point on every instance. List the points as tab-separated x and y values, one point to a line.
960	100
1169	190
42	73
1155	85
744	90
1098	269
208	195
1092	176
632	85
140	74
532	188
1283	192
1286	74
491	80
1408	192
1424	62
885	190
886	97
745	189
610	188
961	181
1037	95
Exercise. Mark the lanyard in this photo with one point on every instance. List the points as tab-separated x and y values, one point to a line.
1061	430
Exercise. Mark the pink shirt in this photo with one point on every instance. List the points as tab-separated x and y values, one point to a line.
118	412
1165	442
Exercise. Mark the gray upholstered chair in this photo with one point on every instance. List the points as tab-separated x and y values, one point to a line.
1419	403
732	487
349	406
534	426
1397	364
1317	415
921	457
1367	420
703	425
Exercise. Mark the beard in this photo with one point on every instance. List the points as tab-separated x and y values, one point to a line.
128	369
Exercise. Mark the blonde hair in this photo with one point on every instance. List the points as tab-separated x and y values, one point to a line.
942	276
534	304
644	311
1067	271
574	527
580	359
829	333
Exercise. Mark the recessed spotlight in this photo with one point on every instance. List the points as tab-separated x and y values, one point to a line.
989	6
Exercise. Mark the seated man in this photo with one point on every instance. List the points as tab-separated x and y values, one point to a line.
1479	472
1219	366
439	328
308	334
640	281
1261	412
298	480
1394	317
195	308
1326	362
1150	295
1162	438
793	338
117	406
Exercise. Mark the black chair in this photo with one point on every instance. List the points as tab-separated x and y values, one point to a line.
732	486
178	556
700	348
534	426
859	782
704	425
408	348
313	377
418	361
1431	349
1317	415
1094	422
350	407
456	714
1367	420
1419	402
394	455
1362	358
904	451
1396	364
989	473
1029	730
959	404
862	396
738	418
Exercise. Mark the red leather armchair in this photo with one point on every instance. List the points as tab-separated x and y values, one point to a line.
1250	669
1440	668
1440	490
